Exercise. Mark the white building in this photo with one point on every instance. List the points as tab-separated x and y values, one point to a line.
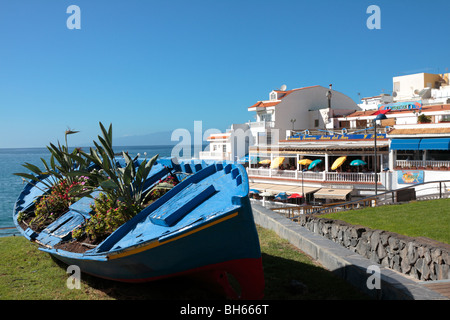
285	111
372	103
431	88
413	141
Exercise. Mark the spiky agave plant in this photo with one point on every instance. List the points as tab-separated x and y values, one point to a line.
62	164
60	187
125	184
122	188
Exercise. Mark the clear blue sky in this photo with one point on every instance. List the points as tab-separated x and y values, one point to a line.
149	66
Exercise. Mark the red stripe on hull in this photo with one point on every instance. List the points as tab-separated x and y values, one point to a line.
248	272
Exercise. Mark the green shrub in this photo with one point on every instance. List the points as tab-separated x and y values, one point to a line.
51	206
108	214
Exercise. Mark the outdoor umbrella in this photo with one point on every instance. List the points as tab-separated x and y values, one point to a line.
244	159
267	161
264	195
357	163
254	191
254	160
277	162
339	161
281	196
295	196
314	163
304	162
247	158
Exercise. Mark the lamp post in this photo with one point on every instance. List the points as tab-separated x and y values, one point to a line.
326	119
329	94
293	121
381	116
303	191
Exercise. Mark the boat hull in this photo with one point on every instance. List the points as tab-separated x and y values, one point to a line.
225	243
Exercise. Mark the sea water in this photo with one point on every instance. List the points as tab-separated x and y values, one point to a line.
11	161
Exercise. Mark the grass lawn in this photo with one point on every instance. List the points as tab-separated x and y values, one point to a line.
429	219
29	274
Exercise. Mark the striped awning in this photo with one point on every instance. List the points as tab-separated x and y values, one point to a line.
327	193
276	188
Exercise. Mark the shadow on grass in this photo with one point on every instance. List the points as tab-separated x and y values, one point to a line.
175	288
285	279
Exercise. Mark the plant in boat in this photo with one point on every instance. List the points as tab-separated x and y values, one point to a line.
123	188
107	217
125	184
61	188
109	214
62	165
52	205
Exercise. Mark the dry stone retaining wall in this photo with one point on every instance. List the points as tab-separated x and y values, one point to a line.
421	258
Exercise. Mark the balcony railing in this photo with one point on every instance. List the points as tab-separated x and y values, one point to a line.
358	177
214	155
262	124
431	164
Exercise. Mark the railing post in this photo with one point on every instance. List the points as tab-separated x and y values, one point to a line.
440	189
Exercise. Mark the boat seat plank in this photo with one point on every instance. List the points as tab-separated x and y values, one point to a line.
83	205
171	212
61	228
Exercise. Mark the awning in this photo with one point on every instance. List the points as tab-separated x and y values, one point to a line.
435	144
276	188
405	144
326	193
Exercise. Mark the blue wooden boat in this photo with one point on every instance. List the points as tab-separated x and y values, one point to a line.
203	226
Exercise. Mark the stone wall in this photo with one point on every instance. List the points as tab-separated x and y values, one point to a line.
421	258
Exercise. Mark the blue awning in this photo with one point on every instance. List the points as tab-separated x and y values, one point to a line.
405	144
435	144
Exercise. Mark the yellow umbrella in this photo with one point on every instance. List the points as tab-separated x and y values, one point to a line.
277	162
339	161
304	162
267	161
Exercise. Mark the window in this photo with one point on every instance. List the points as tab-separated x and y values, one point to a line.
316	123
224	148
266	117
273	96
445	118
269	137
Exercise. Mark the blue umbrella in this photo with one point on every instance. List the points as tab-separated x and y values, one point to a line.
314	163
281	196
244	159
254	191
251	159
357	163
254	160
